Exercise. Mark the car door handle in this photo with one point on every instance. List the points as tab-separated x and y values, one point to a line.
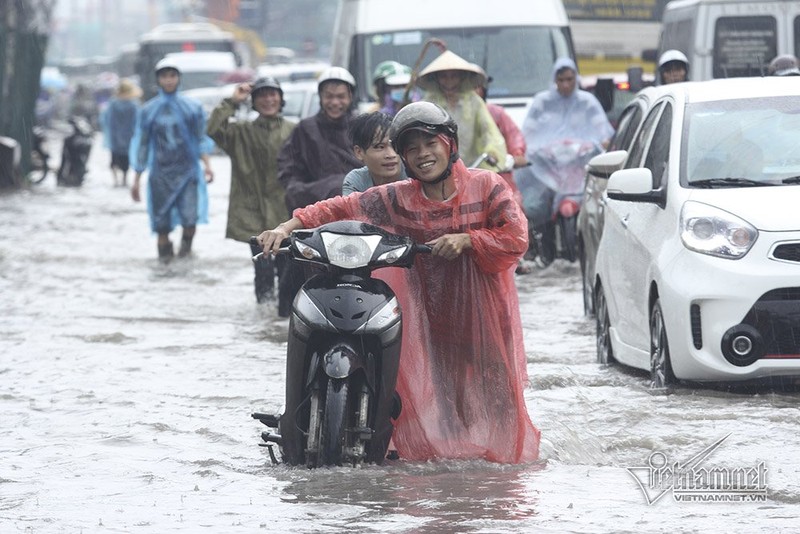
624	220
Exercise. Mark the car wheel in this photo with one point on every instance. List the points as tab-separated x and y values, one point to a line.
661	374
605	353
588	300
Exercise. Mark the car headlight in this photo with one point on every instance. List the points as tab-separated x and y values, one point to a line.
709	230
350	251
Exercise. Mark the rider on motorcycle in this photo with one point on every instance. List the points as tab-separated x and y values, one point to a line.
673	67
559	115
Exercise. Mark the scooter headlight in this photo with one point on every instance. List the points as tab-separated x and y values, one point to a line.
709	230
350	251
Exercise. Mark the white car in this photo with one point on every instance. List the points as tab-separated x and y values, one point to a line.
302	99
698	267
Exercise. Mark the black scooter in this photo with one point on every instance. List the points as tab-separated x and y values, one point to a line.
343	353
75	154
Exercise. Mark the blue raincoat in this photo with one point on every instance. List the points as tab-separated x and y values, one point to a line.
552	117
554	124
169	139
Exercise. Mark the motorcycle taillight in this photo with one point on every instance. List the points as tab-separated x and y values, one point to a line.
568	208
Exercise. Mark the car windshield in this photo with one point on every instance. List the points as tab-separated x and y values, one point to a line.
741	143
519	59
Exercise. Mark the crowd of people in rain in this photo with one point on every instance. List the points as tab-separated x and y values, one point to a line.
432	161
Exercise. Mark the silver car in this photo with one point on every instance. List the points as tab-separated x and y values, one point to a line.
590	217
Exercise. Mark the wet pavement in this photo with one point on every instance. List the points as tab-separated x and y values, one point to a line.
126	388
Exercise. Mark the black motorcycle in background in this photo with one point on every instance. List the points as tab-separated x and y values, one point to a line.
40	157
343	353
75	153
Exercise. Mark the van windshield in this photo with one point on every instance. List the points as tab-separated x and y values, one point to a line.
519	59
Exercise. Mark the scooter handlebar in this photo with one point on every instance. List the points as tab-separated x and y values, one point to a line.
258	257
419	248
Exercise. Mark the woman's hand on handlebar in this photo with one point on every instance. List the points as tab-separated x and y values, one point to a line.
270	240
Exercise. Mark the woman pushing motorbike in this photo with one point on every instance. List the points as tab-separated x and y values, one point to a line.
463	367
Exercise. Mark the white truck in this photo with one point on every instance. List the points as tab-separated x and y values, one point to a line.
730	38
515	42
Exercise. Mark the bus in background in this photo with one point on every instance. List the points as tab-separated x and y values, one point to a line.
125	63
514	42
178	37
613	35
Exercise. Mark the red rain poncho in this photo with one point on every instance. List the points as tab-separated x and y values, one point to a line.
463	366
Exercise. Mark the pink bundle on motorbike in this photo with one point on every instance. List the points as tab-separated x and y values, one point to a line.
463	366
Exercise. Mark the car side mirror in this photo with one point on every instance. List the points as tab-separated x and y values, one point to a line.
603	165
635	185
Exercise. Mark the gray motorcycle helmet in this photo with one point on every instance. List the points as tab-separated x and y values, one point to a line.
429	118
425	116
267	82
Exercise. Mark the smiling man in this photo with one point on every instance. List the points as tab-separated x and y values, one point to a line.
314	161
371	145
256	197
463	365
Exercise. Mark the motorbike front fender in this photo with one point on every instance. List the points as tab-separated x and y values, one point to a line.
341	360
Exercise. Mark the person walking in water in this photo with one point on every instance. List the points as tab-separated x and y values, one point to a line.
313	162
170	141
256	197
119	122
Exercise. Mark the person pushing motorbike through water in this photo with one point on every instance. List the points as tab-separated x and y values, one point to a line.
463	367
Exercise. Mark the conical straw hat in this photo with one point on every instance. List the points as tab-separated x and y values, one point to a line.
449	61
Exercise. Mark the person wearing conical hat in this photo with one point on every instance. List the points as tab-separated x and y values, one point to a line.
119	121
450	81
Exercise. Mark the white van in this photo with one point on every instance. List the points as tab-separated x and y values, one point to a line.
731	38
203	69
515	42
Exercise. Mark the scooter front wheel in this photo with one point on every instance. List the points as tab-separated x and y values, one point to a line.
334	423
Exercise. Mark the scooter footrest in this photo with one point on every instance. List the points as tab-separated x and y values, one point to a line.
269	437
270	420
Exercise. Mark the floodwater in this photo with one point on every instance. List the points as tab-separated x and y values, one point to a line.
126	389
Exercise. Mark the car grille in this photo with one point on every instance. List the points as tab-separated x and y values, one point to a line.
776	316
787	252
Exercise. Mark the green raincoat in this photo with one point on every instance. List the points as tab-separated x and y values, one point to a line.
257	198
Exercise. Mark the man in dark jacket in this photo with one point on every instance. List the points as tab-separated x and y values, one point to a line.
314	161
256	197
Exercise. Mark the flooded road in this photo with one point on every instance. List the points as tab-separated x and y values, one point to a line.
126	389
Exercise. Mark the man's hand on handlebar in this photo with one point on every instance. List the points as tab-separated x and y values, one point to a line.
270	240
